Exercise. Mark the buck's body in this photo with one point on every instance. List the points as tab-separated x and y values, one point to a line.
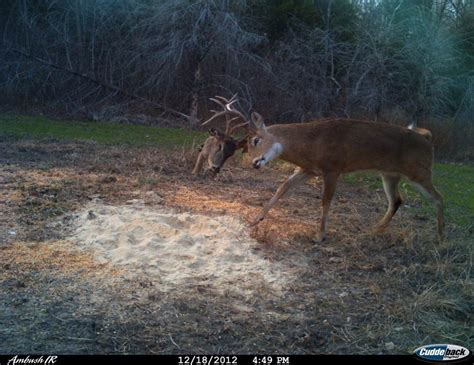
337	146
342	146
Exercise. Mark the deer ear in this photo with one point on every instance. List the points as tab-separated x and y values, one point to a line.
257	120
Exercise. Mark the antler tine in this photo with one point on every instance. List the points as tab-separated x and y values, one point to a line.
234	97
222	98
234	128
218	102
227	124
229	104
216	113
226	104
215	116
227	101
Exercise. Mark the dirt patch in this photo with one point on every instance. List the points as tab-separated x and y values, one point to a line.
176	249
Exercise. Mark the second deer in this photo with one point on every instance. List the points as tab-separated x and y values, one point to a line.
219	146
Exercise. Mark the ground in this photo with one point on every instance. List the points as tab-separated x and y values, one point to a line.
356	293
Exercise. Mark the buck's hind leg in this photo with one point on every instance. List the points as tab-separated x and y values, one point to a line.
390	185
329	181
427	188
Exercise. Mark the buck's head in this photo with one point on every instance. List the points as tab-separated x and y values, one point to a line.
218	148
262	145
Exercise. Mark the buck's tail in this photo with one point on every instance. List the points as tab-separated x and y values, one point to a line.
424	132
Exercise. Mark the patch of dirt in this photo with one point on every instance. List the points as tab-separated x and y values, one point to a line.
64	290
176	249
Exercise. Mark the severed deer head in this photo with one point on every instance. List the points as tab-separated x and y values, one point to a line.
219	146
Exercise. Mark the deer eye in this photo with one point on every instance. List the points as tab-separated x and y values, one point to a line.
255	141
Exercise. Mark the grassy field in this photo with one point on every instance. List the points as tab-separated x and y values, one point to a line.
104	133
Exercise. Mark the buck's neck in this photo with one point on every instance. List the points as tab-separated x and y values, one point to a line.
295	140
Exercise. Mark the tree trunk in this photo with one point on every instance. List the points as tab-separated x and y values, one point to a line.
193	113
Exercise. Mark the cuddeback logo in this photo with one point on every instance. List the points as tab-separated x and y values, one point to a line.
442	352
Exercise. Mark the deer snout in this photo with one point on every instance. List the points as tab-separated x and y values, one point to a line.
257	162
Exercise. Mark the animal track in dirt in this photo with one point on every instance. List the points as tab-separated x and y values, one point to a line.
176	248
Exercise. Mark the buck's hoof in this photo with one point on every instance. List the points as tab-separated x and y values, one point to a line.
320	237
255	221
378	229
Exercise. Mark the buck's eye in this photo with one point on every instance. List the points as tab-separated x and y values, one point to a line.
255	141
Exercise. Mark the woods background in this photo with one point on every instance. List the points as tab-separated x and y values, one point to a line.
151	61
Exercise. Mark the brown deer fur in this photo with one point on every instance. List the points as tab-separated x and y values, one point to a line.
340	146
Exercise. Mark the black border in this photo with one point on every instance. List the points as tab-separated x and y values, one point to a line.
241	359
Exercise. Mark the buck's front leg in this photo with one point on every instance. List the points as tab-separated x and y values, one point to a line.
199	162
298	177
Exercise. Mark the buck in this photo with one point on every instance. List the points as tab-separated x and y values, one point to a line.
337	146
219	146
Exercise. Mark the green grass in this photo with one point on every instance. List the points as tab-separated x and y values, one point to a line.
454	181
100	132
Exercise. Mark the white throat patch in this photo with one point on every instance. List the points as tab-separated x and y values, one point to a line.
271	154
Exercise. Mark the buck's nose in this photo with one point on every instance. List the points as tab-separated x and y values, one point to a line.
257	162
215	169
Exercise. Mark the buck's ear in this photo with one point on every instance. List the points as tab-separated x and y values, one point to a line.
257	120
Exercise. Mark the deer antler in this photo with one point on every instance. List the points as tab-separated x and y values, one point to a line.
228	110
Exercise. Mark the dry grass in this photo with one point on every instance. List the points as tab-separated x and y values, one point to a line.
354	294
